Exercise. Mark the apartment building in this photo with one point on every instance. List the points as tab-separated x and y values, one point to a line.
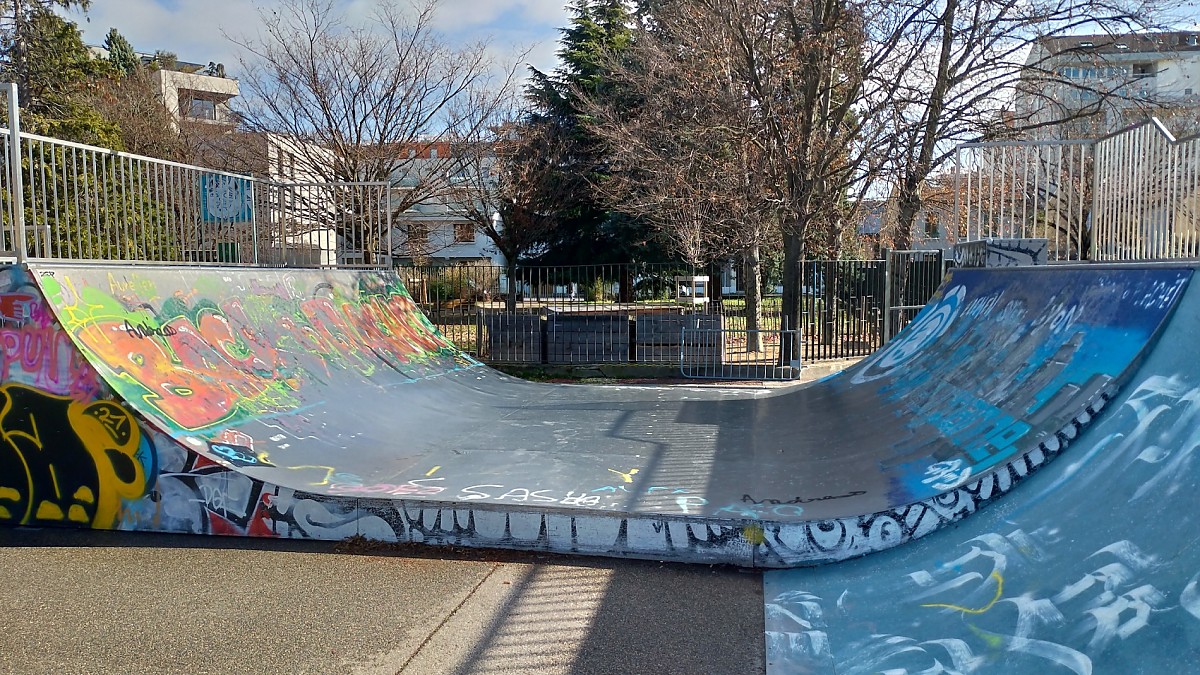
1086	86
436	231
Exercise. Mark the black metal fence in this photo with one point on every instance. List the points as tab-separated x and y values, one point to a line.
639	313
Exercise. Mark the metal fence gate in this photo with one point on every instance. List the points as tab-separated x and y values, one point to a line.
912	279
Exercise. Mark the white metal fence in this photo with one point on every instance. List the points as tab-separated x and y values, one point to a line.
1039	189
1132	195
1146	192
67	200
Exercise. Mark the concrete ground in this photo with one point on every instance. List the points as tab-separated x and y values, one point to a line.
103	602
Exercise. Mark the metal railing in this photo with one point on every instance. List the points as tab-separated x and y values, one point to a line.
1146	188
1131	195
65	200
717	354
1036	189
912	278
631	313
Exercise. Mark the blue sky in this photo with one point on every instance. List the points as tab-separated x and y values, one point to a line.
195	29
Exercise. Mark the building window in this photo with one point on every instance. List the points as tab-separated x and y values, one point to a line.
417	241
1144	70
932	230
464	233
433	153
285	164
197	108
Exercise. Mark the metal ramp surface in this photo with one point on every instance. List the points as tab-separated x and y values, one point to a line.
322	404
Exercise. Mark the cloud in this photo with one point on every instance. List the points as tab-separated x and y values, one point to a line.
196	29
190	28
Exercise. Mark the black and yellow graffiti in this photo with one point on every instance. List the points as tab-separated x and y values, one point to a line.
64	461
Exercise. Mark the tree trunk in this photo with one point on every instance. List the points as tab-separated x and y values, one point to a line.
625	285
793	247
752	282
510	269
908	203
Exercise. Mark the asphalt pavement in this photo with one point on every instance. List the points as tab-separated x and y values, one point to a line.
106	602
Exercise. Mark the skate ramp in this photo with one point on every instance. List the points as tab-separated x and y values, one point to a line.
337	409
1092	566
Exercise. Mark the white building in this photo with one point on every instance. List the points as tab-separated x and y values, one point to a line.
1121	79
197	97
436	230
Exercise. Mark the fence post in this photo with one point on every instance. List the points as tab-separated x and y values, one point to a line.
960	232
16	179
887	295
254	243
632	337
544	327
1090	227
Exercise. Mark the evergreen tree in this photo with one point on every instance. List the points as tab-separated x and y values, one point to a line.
57	71
22	25
104	210
588	232
120	53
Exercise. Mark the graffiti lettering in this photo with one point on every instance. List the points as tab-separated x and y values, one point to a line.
238	455
413	488
43	356
477	492
145	330
747	499
947	475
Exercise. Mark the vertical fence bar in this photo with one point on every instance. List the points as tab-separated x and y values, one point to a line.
16	180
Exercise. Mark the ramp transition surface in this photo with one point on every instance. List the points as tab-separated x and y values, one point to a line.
1093	566
323	404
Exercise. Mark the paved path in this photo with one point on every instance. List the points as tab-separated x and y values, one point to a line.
99	602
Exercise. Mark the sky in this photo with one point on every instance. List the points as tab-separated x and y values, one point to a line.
197	30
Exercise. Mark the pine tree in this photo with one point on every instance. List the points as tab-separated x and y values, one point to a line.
120	53
57	71
588	231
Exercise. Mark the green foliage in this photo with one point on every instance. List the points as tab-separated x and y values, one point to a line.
588	232
120	53
596	290
50	64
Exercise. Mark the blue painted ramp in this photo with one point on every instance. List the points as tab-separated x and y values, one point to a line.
1092	566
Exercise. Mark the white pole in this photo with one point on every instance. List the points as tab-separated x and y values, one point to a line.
16	180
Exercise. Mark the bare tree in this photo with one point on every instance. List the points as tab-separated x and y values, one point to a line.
509	185
684	156
133	103
370	101
797	69
981	70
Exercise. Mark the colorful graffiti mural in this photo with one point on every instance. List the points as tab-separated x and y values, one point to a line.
282	403
996	366
63	460
212	356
